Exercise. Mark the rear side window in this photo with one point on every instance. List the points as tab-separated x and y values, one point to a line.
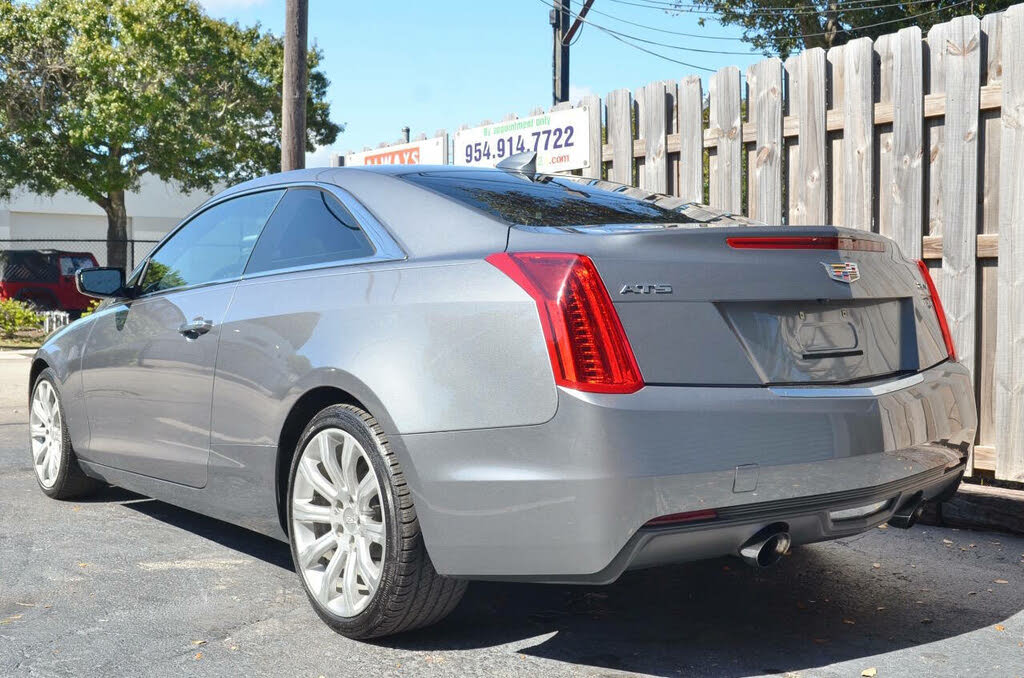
72	263
212	246
543	200
308	227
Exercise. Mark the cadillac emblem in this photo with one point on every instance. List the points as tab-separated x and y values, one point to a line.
844	271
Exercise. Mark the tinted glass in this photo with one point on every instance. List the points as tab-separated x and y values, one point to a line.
28	266
542	200
308	227
213	246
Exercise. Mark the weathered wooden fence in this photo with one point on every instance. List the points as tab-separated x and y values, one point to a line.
920	138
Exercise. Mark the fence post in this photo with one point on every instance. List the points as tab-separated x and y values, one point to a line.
1009	359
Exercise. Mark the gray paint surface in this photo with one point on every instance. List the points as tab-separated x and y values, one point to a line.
513	477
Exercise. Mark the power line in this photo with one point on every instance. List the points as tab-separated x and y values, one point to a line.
859	6
643	49
729	37
850	30
626	36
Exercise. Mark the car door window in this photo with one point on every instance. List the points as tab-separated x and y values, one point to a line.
214	245
309	227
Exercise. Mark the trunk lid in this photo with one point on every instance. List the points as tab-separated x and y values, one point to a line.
699	311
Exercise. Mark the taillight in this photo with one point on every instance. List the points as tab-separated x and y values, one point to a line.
800	242
677	518
937	305
588	348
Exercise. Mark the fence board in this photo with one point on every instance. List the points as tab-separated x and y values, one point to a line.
883	134
620	135
764	87
725	124
962	55
858	134
935	83
810	205
655	133
691	139
989	141
834	105
1009	360
906	169
593	105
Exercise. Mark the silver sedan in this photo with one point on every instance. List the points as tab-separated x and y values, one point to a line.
419	376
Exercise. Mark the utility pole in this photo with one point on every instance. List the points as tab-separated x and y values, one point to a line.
560	52
293	92
563	34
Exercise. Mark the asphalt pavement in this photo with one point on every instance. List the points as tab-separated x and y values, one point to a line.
123	585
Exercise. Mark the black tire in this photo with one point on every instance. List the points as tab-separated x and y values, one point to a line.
411	594
71	482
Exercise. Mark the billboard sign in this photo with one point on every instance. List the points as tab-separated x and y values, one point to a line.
561	140
424	152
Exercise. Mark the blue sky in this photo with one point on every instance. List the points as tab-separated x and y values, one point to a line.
437	64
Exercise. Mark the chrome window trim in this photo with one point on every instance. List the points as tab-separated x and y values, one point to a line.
847	391
385	246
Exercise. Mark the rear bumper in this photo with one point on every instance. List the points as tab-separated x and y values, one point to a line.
568	500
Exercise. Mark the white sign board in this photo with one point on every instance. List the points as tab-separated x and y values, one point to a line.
561	140
425	152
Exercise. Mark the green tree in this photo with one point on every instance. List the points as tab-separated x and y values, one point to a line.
780	27
96	93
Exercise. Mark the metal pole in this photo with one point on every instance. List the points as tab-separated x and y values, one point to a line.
293	94
560	52
405	133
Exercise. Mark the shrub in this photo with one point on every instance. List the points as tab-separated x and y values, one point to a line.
16	316
90	308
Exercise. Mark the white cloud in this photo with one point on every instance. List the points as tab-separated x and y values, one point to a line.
577	92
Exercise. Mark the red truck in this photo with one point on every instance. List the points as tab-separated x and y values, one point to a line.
44	278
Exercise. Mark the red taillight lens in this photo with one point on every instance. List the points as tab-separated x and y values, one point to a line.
588	347
797	242
688	517
939	312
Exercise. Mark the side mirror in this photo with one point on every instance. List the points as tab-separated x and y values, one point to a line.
102	283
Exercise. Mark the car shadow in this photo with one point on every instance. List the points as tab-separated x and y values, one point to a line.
717	617
819	606
237	538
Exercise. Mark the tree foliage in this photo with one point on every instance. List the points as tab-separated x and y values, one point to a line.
781	27
94	94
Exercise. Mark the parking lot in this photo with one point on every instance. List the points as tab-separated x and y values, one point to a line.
124	585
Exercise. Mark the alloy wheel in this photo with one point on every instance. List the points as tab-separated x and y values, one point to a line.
337	522
47	433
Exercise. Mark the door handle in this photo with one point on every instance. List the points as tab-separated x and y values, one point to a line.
198	326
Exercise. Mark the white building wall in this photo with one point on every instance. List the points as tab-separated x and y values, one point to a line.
152	211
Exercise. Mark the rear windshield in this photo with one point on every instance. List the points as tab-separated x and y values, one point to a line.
545	200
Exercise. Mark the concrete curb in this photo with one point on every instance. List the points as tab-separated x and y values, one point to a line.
979	507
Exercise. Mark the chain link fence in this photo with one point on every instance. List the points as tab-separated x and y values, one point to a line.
137	249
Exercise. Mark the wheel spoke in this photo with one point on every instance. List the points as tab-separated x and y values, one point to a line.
53	456
348	583
320	484
41	452
329	458
39	410
309	556
368	570
374	532
366	491
304	512
37	430
350	454
328	584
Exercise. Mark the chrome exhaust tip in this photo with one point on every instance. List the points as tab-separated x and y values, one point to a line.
766	547
907	514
